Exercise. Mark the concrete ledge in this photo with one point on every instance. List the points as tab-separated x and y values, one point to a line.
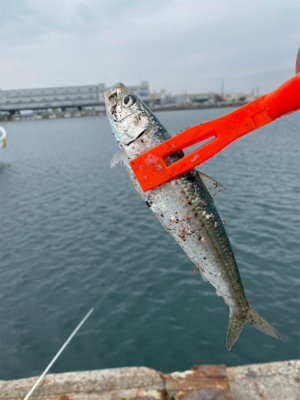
117	383
270	381
201	382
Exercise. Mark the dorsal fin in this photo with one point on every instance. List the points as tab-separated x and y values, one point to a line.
212	186
119	156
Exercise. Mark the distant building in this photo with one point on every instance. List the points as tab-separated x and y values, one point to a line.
51	97
210	98
180	99
199	98
233	97
61	97
91	98
195	98
160	99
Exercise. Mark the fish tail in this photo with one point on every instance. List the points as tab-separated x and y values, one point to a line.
235	326
237	320
260	323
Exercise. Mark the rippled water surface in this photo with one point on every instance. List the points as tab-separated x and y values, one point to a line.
72	230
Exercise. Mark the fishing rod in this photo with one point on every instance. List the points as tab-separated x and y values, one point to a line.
69	339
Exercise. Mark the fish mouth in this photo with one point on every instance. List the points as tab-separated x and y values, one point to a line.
111	102
113	110
112	97
113	93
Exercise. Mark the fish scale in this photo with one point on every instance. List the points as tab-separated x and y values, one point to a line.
219	239
219	231
184	206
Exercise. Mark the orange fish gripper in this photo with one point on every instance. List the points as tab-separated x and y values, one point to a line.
150	168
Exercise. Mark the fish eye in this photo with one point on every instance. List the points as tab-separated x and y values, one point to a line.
128	101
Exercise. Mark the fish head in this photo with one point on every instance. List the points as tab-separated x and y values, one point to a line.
129	117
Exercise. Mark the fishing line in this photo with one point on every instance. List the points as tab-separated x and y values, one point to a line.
69	339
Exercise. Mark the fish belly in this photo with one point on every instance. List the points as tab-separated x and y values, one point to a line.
188	213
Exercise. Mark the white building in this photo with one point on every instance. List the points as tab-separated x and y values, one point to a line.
61	97
49	97
233	97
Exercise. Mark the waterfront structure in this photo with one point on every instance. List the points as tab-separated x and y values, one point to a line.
269	381
89	99
13	101
209	98
234	96
194	98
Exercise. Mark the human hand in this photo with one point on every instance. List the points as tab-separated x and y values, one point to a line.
298	62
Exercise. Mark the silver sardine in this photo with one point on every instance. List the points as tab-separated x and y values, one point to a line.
185	208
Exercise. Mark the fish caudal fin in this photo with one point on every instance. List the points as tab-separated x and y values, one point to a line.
237	320
235	326
261	324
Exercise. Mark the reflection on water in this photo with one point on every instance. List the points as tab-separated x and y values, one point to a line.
70	226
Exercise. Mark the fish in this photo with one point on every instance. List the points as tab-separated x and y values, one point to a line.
184	206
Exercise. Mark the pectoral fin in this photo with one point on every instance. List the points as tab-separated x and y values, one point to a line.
119	156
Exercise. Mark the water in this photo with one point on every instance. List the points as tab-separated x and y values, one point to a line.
71	228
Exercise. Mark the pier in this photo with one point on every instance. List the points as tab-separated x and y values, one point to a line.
269	381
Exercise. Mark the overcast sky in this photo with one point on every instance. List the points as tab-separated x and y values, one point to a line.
188	45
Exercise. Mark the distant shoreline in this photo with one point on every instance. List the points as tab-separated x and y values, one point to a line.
200	107
97	113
